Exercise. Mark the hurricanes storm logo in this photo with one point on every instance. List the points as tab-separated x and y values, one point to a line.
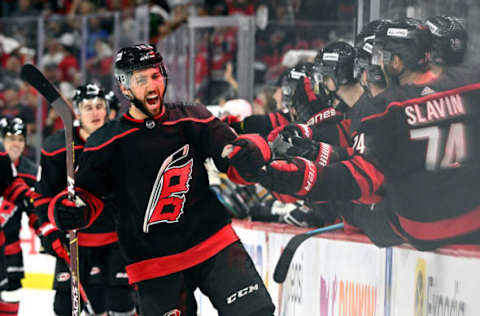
167	198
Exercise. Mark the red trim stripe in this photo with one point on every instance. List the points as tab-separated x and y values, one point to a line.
475	86
273	120
27	175
42	201
128	117
368	186
3	153
161	266
112	139
197	120
96	239
58	151
9	308
13	248
2	238
442	229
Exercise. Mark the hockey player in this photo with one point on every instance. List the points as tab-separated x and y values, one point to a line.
449	42
421	142
101	266
17	192
13	134
175	233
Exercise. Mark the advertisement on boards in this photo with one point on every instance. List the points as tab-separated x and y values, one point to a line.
430	284
329	278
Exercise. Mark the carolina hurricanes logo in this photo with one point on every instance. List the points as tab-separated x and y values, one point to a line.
168	193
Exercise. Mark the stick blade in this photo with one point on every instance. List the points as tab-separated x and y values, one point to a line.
34	77
283	264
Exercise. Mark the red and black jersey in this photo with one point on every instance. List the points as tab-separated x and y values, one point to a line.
168	218
53	180
28	171
423	140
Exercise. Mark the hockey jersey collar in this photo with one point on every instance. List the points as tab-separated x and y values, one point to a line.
148	123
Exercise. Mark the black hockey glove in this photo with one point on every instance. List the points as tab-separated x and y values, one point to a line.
68	214
249	153
54	242
295	177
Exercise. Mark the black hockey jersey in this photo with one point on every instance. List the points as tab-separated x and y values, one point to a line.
53	180
168	218
424	139
28	171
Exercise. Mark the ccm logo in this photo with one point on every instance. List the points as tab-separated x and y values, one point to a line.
249	289
174	312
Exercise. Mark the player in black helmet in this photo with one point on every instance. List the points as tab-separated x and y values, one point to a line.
13	133
176	235
370	76
101	265
449	42
420	143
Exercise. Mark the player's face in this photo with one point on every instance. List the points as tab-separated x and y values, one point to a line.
93	113
14	145
148	85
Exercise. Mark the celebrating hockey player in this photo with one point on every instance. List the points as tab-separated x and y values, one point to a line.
421	142
176	235
101	266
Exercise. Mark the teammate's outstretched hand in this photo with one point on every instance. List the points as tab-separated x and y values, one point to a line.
295	177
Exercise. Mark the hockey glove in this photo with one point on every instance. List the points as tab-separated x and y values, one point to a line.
290	130
53	241
295	177
68	215
249	153
319	152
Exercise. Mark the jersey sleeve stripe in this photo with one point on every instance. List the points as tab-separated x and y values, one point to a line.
111	140
192	119
58	151
471	87
27	175
442	229
367	176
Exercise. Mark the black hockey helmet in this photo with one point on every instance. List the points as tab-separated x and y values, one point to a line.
113	102
407	38
13	126
137	57
88	91
449	40
363	54
335	61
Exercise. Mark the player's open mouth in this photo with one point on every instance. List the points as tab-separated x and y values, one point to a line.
152	99
96	121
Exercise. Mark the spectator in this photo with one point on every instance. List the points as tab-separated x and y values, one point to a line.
25	8
69	64
100	65
54	54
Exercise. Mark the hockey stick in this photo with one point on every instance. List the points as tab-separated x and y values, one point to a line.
281	269
64	109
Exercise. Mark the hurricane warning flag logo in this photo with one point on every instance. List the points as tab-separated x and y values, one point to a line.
167	197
